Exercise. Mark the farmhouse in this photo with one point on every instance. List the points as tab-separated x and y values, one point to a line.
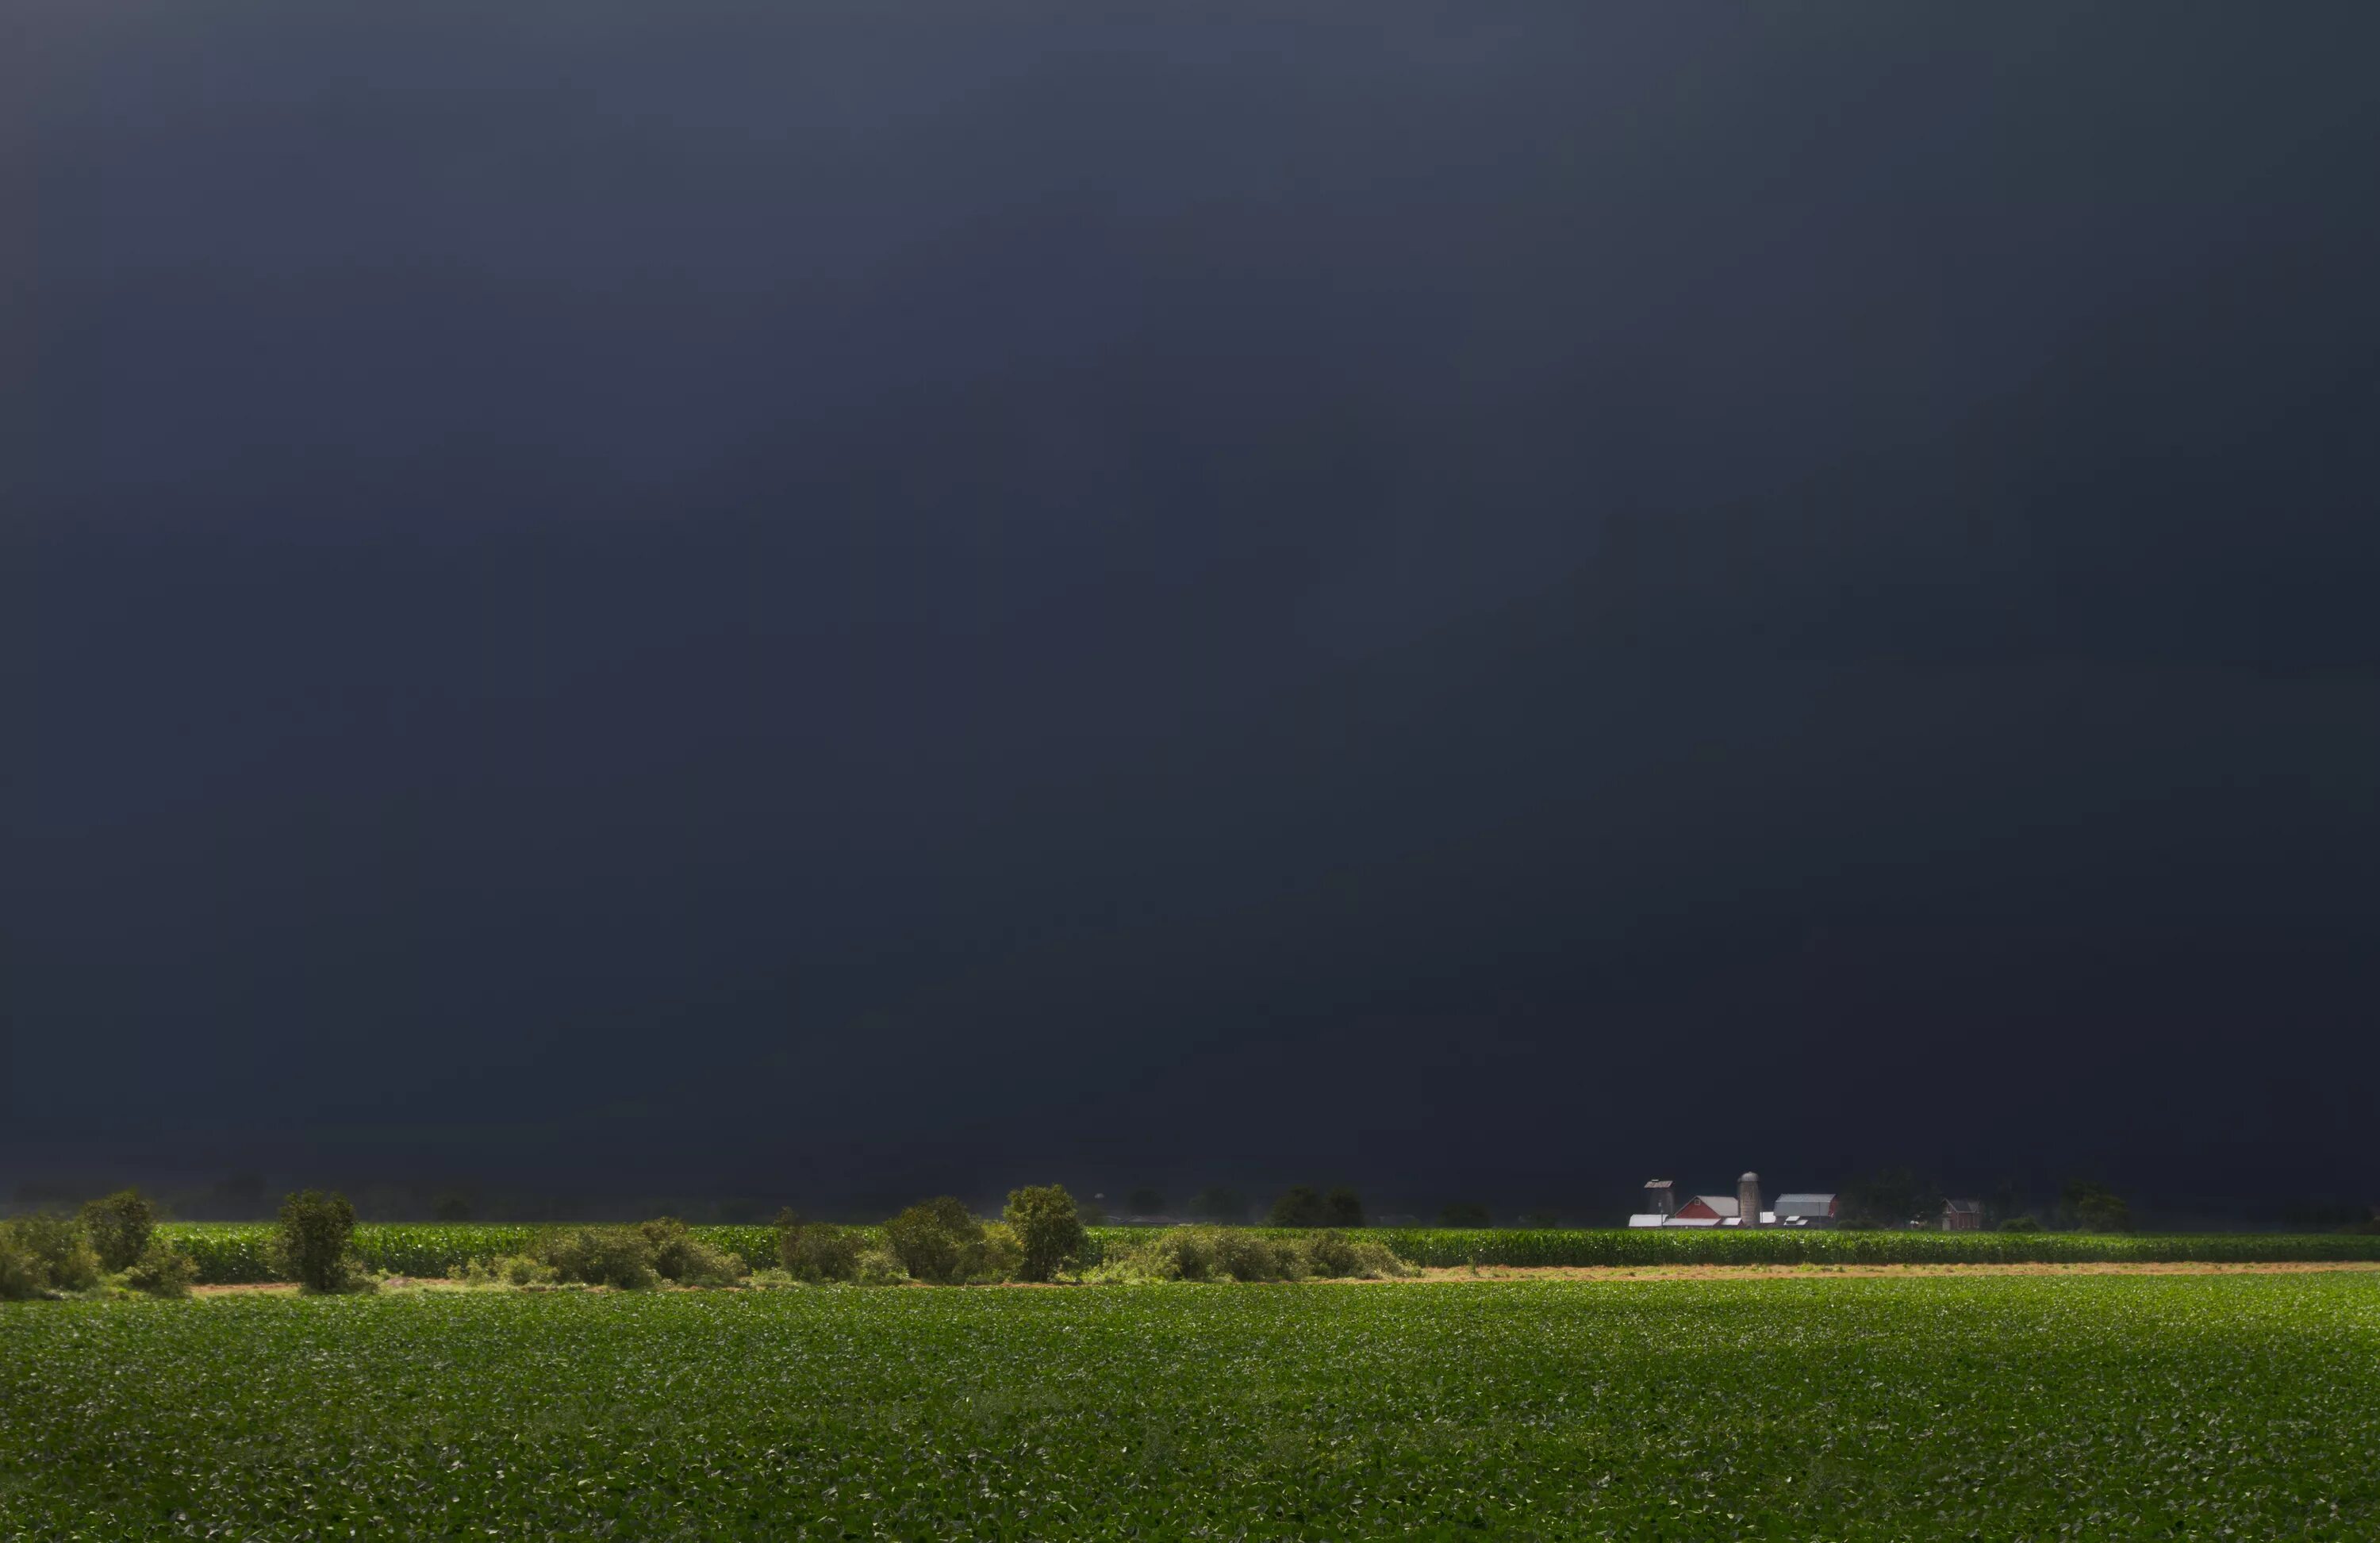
1963	1216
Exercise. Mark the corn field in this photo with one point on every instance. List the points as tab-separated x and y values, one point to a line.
234	1253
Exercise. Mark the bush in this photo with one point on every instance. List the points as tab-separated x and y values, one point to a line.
503	1269
681	1257
621	1258
1049	1233
313	1243
936	1240
58	1252
21	1275
119	1228
815	1251
880	1267
161	1270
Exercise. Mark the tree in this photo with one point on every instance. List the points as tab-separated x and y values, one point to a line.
311	1242
451	1208
936	1240
1343	1207
1465	1213
1144	1201
119	1228
1893	1197
2092	1207
1219	1205
1299	1205
1047	1228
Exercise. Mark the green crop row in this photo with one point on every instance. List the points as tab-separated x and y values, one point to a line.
234	1252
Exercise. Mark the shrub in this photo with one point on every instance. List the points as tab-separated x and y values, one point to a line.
60	1255
621	1258
1049	1233
119	1228
21	1275
161	1270
815	1251
936	1240
313	1243
1003	1255
880	1267
680	1256
503	1270
1299	1207
1245	1256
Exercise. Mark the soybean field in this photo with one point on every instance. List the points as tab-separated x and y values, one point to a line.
1792	1407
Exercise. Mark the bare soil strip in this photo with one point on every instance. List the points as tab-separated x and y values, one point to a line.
1823	1272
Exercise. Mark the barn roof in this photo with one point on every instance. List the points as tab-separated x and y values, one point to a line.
1725	1204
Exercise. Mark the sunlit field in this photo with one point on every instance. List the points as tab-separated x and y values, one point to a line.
2102	1406
237	1252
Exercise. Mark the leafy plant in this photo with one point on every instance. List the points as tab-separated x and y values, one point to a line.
879	1267
681	1257
1049	1235
162	1270
936	1240
620	1257
119	1226
816	1251
58	1253
313	1244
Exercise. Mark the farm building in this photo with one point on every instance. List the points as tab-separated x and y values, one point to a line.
1963	1216
1806	1210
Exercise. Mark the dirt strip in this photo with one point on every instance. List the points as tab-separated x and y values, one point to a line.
1826	1271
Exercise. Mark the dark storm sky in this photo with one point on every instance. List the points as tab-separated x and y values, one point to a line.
1486	600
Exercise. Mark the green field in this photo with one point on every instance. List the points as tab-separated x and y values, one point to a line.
1795	1408
231	1253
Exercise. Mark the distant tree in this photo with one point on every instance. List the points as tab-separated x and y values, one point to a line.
2092	1207
1893	1197
1540	1218
1465	1213
451	1208
1299	1205
1219	1205
1343	1207
119	1228
1144	1201
1047	1228
936	1240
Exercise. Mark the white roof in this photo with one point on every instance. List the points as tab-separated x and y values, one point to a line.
1647	1219
1690	1221
1723	1204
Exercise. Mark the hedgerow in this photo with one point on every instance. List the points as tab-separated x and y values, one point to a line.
233	1252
